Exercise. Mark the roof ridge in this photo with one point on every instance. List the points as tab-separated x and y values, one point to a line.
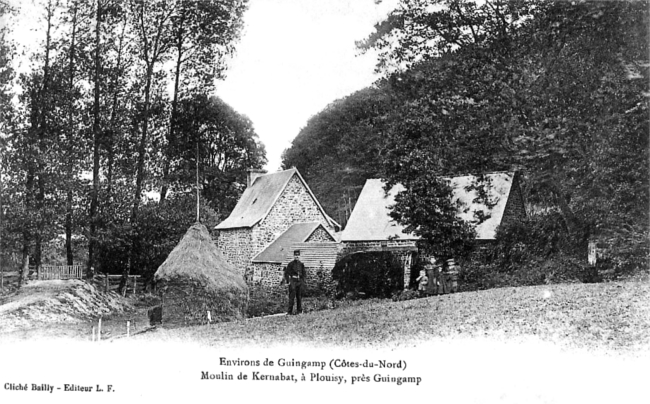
459	175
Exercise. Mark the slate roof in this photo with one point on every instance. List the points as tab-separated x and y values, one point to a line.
281	247
258	199
370	219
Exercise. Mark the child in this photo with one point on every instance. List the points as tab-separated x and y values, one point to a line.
422	283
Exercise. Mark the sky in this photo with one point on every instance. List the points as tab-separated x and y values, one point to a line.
294	58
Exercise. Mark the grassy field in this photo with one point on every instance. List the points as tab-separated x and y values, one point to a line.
544	344
610	316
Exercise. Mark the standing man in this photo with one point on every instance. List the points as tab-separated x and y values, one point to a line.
294	275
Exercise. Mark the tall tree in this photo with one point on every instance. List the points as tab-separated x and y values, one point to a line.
96	133
203	36
152	23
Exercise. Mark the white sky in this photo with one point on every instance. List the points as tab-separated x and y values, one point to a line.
294	58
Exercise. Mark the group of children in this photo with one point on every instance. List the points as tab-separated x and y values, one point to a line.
432	280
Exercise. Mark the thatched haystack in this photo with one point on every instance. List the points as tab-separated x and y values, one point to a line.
196	278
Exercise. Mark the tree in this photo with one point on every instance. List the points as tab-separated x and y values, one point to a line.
96	97
340	147
228	146
551	93
203	36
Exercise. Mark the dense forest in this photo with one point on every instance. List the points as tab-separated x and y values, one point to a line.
555	90
106	136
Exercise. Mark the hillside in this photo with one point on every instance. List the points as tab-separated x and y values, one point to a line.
610	316
57	303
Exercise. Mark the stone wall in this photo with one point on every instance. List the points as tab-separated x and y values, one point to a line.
270	275
267	274
295	205
236	246
319	236
358	246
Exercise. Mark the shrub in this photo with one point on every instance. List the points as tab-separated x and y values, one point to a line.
533	252
266	300
368	274
321	285
406	294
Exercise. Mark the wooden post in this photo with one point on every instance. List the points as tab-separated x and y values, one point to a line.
135	284
24	270
106	281
99	330
128	326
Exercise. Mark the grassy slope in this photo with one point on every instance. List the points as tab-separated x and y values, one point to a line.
607	315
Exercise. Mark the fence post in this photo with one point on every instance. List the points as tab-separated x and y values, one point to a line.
128	326
106	281
99	330
135	284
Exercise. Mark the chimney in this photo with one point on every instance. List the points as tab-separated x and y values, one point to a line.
253	173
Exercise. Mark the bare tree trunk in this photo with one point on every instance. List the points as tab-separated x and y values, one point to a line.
27	234
24	270
113	121
142	149
172	118
70	173
94	202
41	128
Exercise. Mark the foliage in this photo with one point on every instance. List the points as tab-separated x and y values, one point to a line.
96	103
532	252
265	301
368	274
158	231
557	90
406	294
227	147
339	148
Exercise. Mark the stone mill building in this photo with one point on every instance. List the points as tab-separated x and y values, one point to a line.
276	214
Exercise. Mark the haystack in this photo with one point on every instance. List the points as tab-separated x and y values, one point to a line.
196	279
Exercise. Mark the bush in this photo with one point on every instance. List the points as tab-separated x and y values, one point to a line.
265	300
368	275
406	294
533	252
321	285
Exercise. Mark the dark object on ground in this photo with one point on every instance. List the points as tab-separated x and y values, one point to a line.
155	315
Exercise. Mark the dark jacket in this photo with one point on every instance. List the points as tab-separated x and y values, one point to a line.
294	272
